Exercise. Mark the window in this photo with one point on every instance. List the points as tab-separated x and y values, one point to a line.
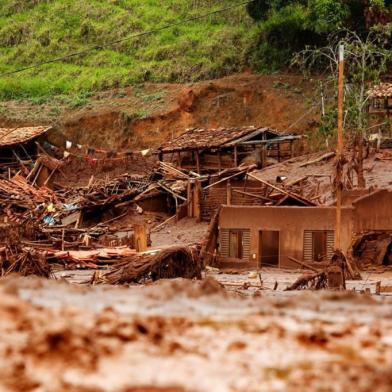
318	244
319	240
234	243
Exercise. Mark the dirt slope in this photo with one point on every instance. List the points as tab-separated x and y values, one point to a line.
144	116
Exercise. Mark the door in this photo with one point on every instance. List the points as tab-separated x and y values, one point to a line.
269	248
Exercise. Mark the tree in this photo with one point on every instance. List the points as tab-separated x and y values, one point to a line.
287	26
326	16
365	61
258	9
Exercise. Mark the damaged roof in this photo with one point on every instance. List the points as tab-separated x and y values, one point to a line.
316	173
383	90
200	138
12	136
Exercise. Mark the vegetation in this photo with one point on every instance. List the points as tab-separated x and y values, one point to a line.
366	60
288	26
40	30
264	35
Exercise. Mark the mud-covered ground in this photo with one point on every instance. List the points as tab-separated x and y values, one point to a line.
190	336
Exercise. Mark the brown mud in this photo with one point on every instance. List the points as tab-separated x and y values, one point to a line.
189	336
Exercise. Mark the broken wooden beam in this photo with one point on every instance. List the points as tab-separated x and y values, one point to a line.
303	264
319	159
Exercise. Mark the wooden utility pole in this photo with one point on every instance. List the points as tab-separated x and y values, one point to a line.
339	152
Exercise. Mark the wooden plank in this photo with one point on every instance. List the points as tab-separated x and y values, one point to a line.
319	159
291	194
197	162
252	195
140	238
227	178
301	263
197	201
228	193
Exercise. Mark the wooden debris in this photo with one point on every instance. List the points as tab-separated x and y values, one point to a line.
174	262
316	281
23	261
323	157
305	265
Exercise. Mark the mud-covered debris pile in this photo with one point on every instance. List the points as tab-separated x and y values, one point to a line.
169	263
23	261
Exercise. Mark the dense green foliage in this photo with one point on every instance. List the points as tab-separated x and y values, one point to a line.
288	26
39	30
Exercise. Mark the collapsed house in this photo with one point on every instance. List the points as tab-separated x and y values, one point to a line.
19	147
380	108
213	150
381	99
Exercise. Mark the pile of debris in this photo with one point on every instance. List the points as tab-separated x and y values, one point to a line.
169	263
373	249
23	261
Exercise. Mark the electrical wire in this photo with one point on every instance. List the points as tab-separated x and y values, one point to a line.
133	36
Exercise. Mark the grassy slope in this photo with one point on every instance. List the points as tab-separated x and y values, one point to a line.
38	30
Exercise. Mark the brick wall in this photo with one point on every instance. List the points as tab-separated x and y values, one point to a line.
214	197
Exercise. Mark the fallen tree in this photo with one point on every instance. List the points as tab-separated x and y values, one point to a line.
173	262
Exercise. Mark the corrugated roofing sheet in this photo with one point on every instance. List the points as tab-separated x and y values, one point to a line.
200	138
383	90
11	136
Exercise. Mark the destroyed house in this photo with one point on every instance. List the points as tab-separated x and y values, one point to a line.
381	98
18	148
212	150
253	236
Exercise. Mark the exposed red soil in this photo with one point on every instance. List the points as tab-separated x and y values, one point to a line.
130	119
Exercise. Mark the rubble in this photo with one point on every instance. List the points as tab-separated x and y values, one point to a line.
23	261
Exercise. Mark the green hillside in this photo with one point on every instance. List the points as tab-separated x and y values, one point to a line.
39	30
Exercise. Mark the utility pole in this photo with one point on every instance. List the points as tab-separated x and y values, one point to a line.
339	151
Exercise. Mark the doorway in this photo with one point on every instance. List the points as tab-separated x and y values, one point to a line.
269	248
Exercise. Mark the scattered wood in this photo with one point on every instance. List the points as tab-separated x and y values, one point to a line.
283	191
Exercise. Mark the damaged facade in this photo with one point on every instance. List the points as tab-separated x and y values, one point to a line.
270	235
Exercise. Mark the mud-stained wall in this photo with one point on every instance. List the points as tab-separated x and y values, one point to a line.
373	212
291	222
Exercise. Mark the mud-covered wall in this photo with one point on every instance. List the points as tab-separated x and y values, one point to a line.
291	222
373	212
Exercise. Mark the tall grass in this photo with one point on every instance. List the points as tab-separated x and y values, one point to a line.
33	31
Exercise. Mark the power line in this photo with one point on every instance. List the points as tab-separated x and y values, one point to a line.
144	33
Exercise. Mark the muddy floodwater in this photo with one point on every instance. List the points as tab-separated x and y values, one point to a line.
190	336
